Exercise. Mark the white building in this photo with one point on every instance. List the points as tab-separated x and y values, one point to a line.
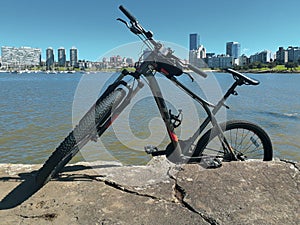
20	57
263	57
221	61
196	57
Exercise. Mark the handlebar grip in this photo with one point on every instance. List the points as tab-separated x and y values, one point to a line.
128	14
197	70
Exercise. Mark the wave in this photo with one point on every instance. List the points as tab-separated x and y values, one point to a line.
291	115
296	115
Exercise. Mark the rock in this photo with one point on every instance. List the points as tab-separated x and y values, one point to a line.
160	193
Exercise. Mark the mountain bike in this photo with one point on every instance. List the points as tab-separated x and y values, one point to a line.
229	141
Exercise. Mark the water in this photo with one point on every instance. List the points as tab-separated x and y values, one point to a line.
36	115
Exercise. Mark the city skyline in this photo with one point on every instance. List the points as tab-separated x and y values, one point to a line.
199	51
92	27
231	48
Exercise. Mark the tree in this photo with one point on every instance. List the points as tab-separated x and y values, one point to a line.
237	67
291	65
246	67
259	65
271	65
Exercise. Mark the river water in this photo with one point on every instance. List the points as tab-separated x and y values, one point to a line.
37	109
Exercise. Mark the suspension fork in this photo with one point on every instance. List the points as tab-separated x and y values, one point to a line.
116	112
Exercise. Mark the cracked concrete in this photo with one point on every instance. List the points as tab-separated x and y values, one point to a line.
159	193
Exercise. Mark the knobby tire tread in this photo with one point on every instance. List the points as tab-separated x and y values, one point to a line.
69	146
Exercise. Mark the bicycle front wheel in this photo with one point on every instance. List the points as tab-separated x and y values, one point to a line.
79	136
247	140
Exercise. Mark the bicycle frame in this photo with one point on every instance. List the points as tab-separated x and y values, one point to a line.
178	152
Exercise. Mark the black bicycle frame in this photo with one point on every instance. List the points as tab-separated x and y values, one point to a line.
163	109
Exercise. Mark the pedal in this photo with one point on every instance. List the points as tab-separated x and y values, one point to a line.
210	162
150	149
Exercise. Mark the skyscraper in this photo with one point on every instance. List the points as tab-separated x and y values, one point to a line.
194	41
74	57
233	49
61	57
49	58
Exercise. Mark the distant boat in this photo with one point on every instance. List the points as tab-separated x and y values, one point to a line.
23	71
51	72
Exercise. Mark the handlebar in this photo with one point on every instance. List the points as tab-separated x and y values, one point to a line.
128	14
137	29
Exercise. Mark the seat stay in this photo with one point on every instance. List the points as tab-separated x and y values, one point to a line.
246	80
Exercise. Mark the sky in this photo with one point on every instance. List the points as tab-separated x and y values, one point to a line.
91	25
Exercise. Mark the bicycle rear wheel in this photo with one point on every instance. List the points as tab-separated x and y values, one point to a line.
248	141
79	136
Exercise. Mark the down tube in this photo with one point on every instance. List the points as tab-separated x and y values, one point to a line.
161	104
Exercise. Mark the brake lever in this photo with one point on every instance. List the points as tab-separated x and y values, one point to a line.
123	21
190	76
134	28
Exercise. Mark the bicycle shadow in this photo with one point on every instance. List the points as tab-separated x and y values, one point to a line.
29	186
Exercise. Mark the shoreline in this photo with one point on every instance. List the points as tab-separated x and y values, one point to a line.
269	71
256	71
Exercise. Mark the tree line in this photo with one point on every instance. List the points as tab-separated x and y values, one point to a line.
270	65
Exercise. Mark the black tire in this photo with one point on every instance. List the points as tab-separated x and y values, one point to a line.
79	136
248	140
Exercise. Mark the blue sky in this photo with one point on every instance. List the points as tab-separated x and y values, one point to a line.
91	25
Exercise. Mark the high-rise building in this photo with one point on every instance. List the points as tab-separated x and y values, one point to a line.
293	54
20	57
233	49
282	55
49	58
297	55
74	57
194	41
61	57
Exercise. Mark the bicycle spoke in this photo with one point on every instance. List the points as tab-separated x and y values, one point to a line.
242	139
215	150
255	150
249	146
245	141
